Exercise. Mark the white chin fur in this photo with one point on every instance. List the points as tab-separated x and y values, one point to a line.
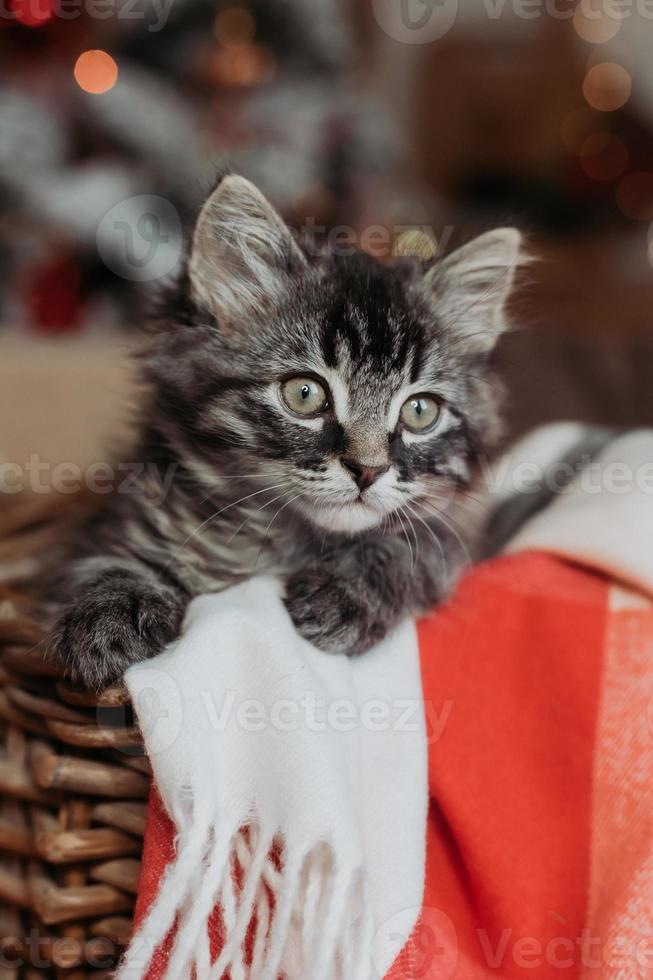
347	518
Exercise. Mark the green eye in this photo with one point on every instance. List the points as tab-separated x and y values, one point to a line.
304	396
419	413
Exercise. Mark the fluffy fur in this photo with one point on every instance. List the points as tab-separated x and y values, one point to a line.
258	489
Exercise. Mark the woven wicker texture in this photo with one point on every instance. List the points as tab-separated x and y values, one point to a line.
73	783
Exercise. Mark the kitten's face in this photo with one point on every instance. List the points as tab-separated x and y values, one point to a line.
354	391
348	399
364	433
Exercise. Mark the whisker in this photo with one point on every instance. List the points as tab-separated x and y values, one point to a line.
283	507
412	527
455	499
288	502
442	515
410	547
217	514
452	526
438	516
437	543
403	510
267	503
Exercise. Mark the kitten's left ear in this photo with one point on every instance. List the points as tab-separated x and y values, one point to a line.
470	287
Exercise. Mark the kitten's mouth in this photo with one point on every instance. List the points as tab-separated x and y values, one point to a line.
358	501
350	516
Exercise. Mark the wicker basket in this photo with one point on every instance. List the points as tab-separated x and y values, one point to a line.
73	786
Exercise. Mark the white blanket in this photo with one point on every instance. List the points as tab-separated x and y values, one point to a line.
604	518
259	741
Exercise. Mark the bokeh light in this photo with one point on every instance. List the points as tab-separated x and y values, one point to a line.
578	125
635	196
96	72
607	86
32	13
603	156
234	25
593	23
242	64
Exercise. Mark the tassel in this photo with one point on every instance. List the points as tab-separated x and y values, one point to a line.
175	887
252	882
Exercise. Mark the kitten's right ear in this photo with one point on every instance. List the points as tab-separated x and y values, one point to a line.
470	288
242	254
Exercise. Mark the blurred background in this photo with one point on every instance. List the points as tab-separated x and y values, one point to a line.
357	118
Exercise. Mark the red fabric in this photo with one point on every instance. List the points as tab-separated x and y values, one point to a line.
517	654
511	672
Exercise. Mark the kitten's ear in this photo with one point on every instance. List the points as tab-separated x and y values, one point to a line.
470	287
242	254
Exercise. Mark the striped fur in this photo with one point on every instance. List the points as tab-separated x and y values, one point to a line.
257	489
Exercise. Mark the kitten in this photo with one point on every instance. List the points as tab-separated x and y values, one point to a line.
318	412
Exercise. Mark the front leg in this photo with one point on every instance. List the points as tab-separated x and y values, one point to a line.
114	613
354	594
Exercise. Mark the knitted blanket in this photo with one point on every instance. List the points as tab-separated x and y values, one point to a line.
537	682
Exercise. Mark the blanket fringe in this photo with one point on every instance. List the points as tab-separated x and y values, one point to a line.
175	886
306	911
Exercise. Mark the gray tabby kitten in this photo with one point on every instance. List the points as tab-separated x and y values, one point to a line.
319	413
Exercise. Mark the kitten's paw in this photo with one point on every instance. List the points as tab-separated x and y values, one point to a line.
327	612
108	629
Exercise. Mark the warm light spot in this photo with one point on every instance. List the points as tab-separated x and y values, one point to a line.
578	125
242	64
603	156
32	13
594	24
234	25
635	196
96	72
607	86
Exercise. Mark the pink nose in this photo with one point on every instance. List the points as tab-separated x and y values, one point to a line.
364	476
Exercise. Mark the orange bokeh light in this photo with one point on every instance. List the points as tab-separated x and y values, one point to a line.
595	25
607	86
96	72
242	65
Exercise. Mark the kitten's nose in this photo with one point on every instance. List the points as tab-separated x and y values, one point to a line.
364	475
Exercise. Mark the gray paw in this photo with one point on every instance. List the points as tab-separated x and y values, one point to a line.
329	614
113	625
